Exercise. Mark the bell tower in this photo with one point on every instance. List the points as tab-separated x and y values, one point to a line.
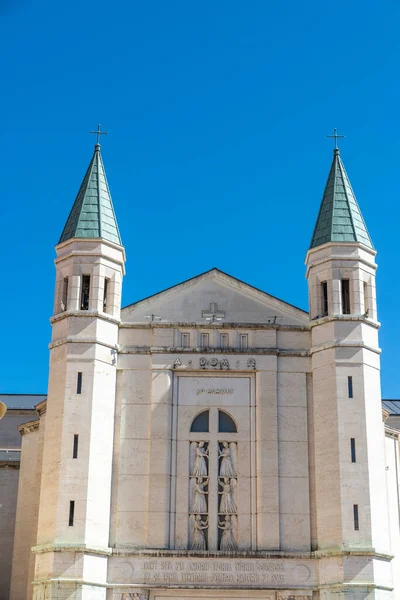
74	511
350	488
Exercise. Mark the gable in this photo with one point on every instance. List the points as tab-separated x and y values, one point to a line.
214	292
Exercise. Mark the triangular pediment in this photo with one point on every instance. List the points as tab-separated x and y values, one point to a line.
214	293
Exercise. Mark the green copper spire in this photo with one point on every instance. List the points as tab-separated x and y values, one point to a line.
92	215
339	218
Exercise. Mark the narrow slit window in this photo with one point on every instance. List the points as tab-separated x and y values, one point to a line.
366	303
346	296
105	295
79	384
75	449
355	516
85	295
353	449
324	298
71	513
224	340
204	340
64	300
244	341
185	340
350	386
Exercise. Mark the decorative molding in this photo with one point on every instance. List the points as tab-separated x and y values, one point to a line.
347	318
29	427
74	340
337	344
222	326
391	432
42	549
6	465
41	407
224	351
84	313
279	554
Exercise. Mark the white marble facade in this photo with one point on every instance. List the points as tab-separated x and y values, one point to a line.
211	441
213	460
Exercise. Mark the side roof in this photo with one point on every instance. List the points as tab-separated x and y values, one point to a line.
22	401
393	406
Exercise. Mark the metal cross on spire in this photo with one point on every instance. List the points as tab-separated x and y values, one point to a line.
335	136
99	133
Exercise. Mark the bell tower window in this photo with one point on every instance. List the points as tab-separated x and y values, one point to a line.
324	298
64	300
366	302
85	295
106	293
345	296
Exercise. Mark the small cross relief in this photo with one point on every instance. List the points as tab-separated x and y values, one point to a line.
213	314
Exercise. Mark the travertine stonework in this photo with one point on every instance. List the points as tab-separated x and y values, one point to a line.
198	443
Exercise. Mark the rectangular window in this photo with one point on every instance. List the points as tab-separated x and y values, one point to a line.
353	449
71	513
345	296
204	340
350	386
105	295
244	341
224	340
75	450
355	515
79	384
324	298
85	295
185	340
366	303
64	301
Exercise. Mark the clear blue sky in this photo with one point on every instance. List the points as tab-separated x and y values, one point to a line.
217	113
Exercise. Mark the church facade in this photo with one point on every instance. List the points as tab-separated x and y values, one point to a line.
210	441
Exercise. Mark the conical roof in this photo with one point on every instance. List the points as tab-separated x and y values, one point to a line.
339	218
92	215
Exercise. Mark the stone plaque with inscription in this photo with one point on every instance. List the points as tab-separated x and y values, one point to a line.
214	572
230	391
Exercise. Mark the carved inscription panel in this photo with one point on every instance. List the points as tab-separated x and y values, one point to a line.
214	391
155	571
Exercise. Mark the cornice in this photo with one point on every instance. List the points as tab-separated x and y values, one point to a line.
41	407
337	344
84	314
278	554
74	340
29	427
225	351
195	325
9	465
391	432
349	318
44	548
